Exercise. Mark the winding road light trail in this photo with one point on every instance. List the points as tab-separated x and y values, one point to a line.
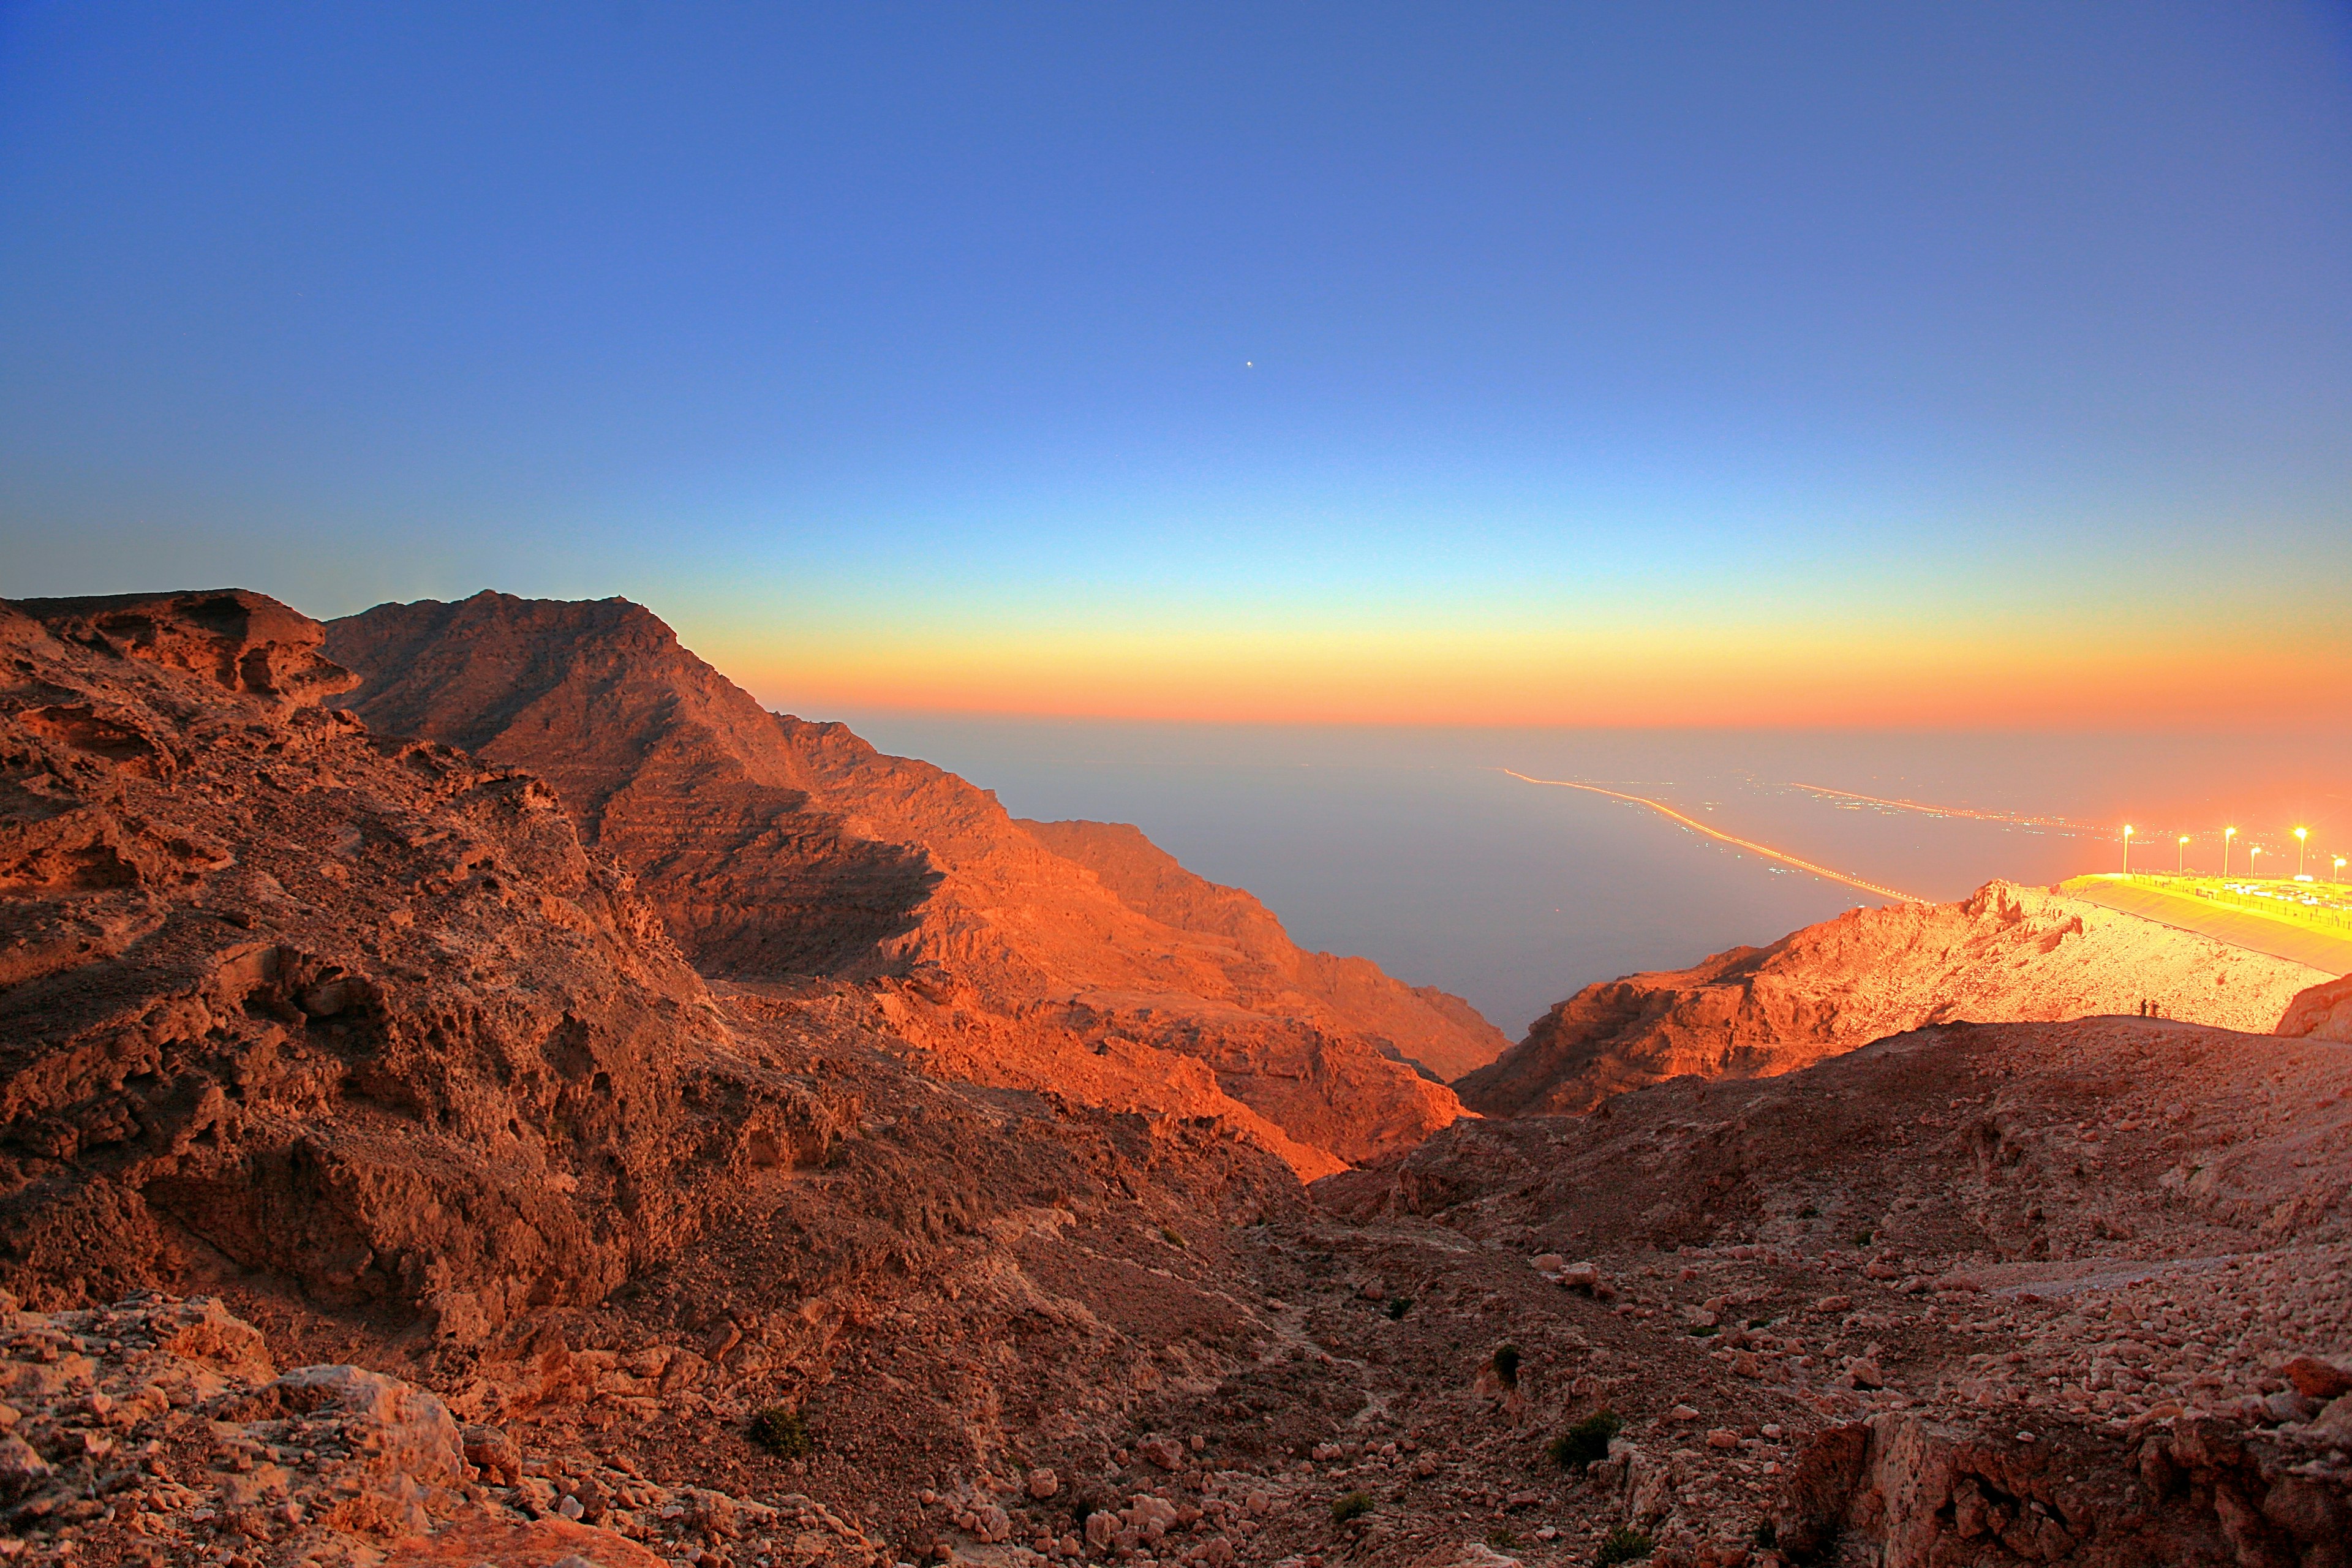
1765	850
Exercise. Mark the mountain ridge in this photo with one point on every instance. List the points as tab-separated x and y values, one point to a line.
2005	954
754	831
574	1254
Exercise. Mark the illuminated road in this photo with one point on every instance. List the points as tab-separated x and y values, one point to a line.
2012	817
1766	851
2223	922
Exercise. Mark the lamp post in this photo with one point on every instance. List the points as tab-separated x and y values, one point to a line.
2339	868
2301	833
2227	834
2127	833
2253	857
2180	861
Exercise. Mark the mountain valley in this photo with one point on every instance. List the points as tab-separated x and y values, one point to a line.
476	1087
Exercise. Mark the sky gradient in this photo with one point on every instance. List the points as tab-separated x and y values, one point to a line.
1740	365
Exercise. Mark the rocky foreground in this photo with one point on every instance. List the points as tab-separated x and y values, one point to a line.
1986	1330
2007	955
380	1183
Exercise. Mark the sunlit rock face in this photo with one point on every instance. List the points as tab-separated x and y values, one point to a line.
1072	957
287	996
2006	955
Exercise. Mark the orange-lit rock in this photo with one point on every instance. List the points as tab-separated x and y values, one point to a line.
2008	953
776	848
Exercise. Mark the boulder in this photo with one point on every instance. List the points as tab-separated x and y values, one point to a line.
2316	1379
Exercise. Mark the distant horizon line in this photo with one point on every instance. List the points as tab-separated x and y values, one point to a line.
1494	726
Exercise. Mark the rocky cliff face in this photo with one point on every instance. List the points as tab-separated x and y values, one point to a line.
354	1030
283	995
2008	953
777	849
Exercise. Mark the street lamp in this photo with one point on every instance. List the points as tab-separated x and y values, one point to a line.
2127	833
2301	833
2180	861
2339	868
2227	834
2252	855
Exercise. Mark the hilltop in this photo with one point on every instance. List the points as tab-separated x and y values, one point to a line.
2006	955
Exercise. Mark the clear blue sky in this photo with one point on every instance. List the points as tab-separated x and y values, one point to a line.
1075	356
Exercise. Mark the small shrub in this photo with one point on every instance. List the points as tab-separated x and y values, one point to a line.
782	1433
1586	1443
1351	1508
1623	1545
1399	1306
1170	1237
1702	1331
1507	1366
1862	1238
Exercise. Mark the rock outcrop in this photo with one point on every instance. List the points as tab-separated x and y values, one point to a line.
1936	1494
2007	955
776	848
2323	1012
282	995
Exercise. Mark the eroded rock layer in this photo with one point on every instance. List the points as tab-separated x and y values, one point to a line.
2008	953
284	996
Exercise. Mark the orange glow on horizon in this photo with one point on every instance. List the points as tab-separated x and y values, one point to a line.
1633	678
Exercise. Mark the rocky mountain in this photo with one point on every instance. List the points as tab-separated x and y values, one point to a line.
777	849
2006	955
285	996
379	1185
349	1030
